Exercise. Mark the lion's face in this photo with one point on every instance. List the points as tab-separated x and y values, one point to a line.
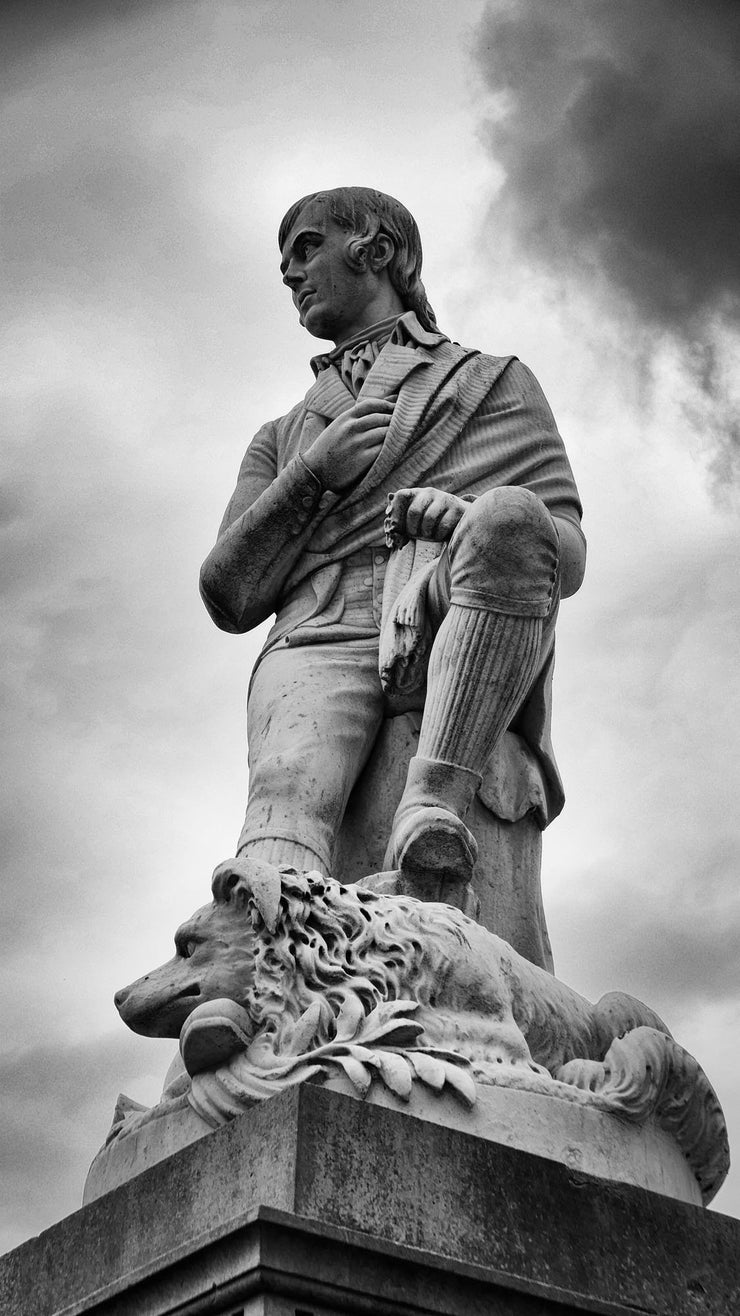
214	958
275	941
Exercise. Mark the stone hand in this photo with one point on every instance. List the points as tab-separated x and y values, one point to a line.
347	448
422	514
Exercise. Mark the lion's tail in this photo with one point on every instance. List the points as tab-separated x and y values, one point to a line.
618	1012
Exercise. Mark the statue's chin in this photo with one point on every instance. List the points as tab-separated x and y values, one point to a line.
317	324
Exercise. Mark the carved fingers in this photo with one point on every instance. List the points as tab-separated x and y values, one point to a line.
347	448
422	514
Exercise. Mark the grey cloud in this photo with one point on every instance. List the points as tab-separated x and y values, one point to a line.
622	146
25	29
58	1102
105	709
674	947
650	898
126	344
618	126
108	228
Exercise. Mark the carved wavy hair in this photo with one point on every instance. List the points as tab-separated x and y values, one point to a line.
365	213
332	942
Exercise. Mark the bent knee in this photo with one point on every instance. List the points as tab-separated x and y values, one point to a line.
507	521
506	543
510	512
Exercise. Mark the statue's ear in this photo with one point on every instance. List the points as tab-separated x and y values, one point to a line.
381	251
249	877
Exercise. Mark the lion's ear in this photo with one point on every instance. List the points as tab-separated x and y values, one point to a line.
225	878
250	877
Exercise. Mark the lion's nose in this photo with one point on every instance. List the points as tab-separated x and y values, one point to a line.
120	997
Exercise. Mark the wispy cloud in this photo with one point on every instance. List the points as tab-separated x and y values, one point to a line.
618	130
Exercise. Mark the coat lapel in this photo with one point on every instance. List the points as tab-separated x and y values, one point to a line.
329	395
414	372
391	369
404	440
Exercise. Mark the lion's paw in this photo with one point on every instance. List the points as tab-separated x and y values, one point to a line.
213	1033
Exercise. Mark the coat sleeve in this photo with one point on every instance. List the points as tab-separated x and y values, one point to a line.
269	520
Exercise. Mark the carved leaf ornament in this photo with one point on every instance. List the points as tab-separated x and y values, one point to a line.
644	1074
382	1044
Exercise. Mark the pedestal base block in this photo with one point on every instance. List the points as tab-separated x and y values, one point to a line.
314	1204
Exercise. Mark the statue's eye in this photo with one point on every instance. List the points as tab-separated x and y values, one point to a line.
186	948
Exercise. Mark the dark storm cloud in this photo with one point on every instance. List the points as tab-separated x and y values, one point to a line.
618	126
622	143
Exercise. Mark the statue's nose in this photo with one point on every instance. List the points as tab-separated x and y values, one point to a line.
293	276
120	997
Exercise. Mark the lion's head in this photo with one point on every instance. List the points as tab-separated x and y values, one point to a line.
276	941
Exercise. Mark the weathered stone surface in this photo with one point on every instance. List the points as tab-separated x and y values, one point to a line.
290	977
414	524
316	1203
586	1139
506	875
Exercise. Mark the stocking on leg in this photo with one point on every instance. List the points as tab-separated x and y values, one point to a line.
482	665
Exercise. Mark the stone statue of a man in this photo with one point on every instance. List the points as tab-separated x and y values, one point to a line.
453	613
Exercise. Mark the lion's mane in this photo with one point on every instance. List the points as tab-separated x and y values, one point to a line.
333	942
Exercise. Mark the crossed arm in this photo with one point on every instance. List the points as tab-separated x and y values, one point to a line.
272	515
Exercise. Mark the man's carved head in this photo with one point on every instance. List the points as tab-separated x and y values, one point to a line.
366	216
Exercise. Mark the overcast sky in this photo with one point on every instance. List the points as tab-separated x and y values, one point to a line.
574	171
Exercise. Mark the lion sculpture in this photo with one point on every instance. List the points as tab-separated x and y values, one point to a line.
285	972
276	941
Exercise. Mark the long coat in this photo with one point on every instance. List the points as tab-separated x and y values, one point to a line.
462	421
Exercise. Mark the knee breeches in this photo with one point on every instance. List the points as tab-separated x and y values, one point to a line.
313	714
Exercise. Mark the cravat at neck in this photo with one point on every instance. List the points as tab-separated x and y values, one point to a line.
355	356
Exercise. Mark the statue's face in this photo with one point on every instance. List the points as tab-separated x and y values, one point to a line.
329	294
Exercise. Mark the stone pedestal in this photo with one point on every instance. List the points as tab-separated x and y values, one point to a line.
315	1203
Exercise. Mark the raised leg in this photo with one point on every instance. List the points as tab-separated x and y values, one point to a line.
503	574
